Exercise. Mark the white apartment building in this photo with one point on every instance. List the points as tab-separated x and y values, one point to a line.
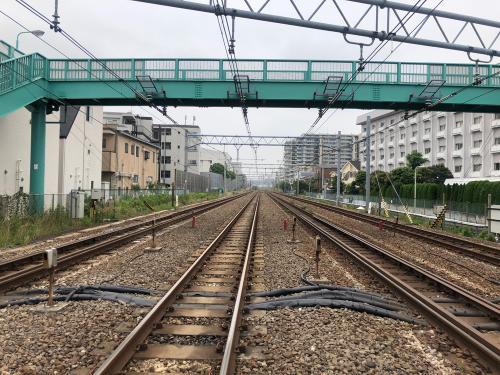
177	150
72	150
468	144
316	150
212	156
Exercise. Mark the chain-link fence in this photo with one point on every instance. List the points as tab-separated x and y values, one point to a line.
461	212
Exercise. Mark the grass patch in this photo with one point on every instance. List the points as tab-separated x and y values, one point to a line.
21	231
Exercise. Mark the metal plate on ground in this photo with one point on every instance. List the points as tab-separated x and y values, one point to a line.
168	351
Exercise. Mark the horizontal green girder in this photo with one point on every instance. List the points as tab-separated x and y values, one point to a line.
267	83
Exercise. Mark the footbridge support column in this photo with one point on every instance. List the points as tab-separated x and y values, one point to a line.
37	162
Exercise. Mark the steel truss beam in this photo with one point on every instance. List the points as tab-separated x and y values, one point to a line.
385	18
254	140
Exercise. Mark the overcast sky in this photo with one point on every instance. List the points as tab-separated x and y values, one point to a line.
125	28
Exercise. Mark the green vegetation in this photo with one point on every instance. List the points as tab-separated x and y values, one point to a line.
219	169
22	230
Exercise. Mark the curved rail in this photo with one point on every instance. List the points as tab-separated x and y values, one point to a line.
134	344
470	319
22	269
475	250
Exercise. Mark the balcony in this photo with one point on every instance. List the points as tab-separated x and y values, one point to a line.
380	162
441	155
390	144
457	131
391	161
426	116
495	123
426	137
402	124
476	127
475	151
381	146
458	153
401	142
495	149
441	114
441	134
413	139
402	160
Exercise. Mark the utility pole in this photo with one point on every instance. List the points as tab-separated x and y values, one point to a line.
321	166
338	168
368	160
173	187
297	193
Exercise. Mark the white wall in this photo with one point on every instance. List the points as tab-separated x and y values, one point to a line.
62	156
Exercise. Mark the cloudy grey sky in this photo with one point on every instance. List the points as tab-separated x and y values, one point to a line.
125	28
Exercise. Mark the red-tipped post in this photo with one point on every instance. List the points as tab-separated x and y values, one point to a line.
193	222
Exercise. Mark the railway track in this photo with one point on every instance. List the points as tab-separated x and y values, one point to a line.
475	250
210	293
470	319
16	271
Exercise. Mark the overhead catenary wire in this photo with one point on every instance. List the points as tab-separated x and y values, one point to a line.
381	45
140	97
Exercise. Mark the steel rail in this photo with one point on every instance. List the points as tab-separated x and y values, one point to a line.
475	250
228	365
466	334
31	266
128	347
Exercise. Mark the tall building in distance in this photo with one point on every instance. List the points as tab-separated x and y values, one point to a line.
468	144
313	151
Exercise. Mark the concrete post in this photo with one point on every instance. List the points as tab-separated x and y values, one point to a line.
37	162
368	159
338	168
488	213
321	167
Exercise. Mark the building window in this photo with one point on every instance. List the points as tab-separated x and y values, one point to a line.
146	155
427	131
392	138
135	178
402	154
476	167
193	162
382	157
156	134
497	141
442	128
428	150
166	145
458	124
132	149
478	119
381	125
381	140
392	121
165	174
458	146
458	168
442	148
402	136
414	134
126	148
137	151
496	166
178	146
477	143
103	142
168	131
391	155
497	116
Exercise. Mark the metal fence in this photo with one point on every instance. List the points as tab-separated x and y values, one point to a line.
460	212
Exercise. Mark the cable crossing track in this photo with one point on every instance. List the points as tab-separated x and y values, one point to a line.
212	291
25	268
471	320
475	250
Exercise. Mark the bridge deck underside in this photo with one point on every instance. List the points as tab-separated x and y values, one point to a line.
262	94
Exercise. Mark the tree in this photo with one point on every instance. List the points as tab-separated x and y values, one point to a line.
435	174
401	176
415	159
219	169
359	182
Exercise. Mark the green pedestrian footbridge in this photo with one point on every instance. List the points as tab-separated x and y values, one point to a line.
43	84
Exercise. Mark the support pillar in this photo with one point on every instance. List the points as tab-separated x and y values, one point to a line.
368	159
339	175
37	162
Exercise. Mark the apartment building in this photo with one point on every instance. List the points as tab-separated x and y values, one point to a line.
179	150
468	144
212	156
127	161
316	150
72	151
